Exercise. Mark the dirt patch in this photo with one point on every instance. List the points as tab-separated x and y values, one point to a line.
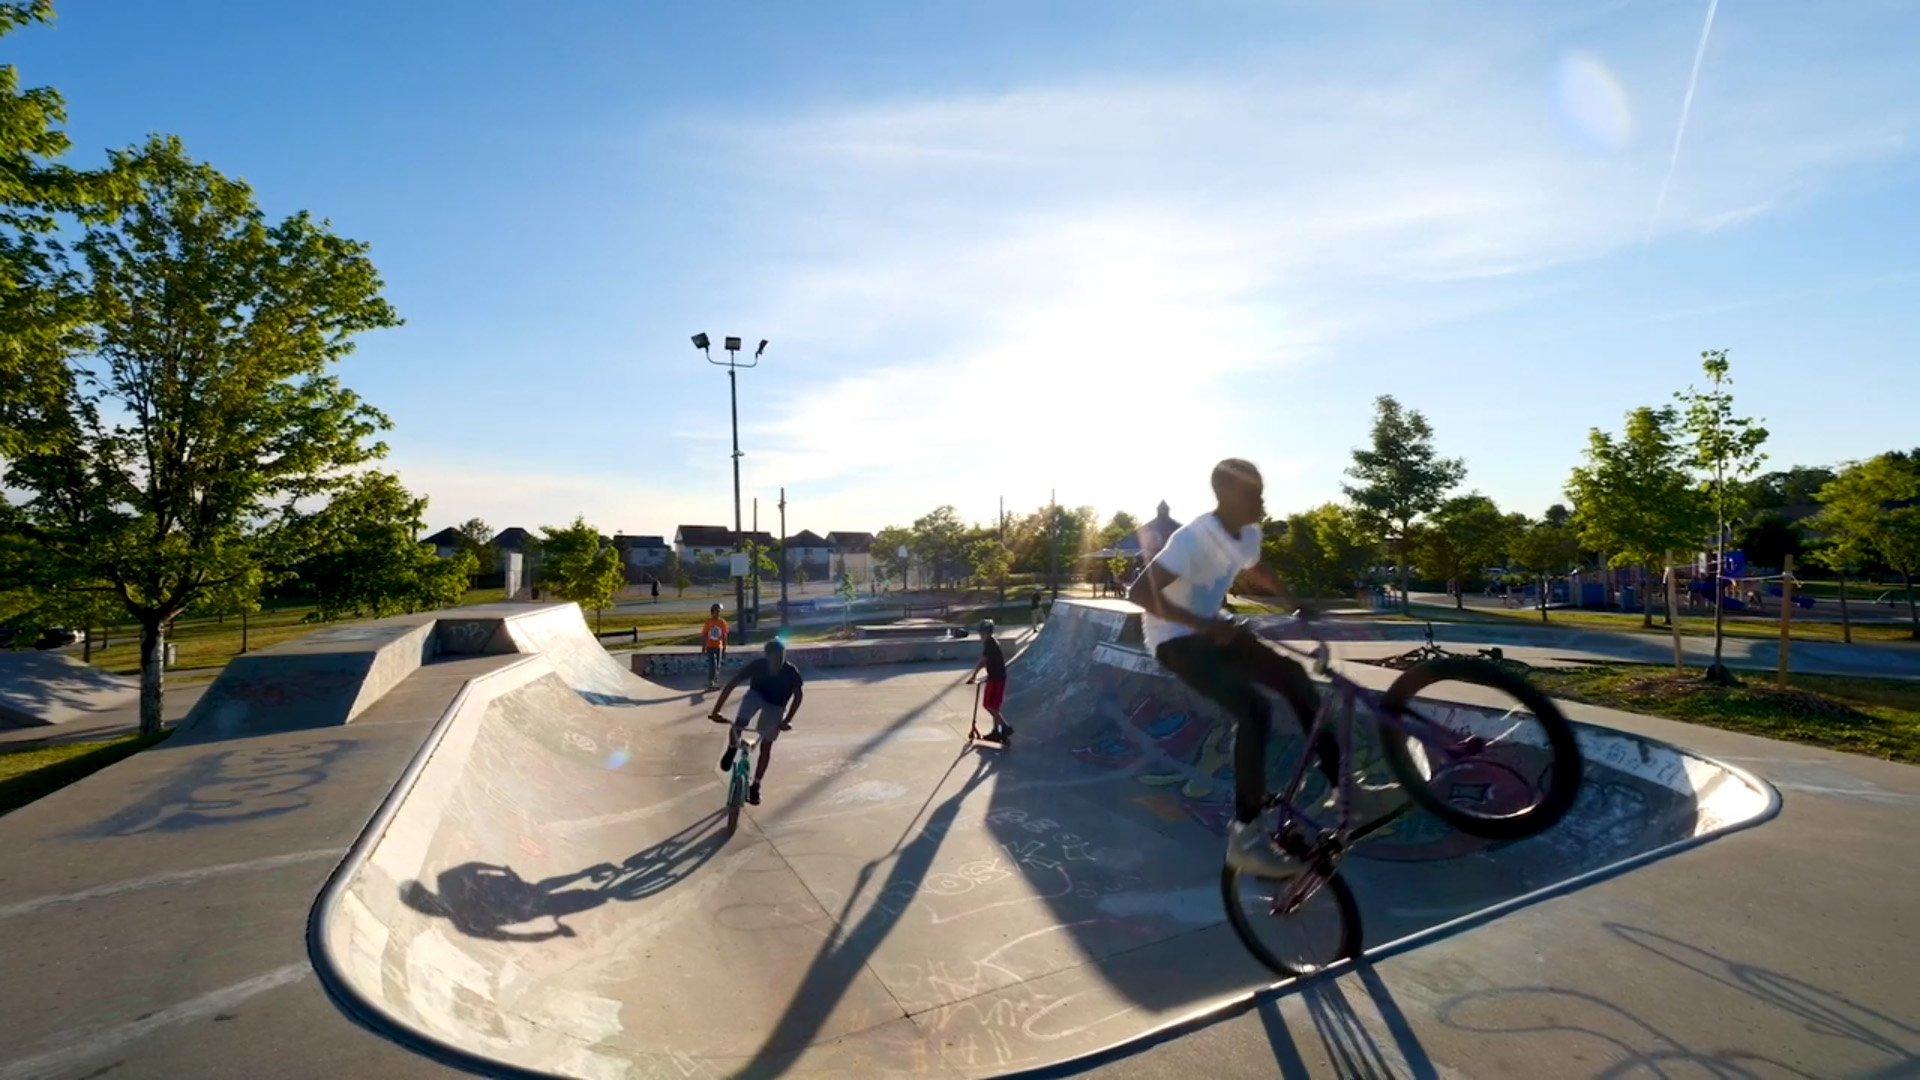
1668	686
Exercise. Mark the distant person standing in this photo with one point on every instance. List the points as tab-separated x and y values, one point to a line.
1034	614
713	644
654	586
993	695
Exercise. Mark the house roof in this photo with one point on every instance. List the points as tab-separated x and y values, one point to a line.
1150	537
447	537
851	543
514	538
807	538
719	536
639	541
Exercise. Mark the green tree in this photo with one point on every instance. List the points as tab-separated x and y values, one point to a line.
1462	535
939	544
239	596
677	573
1868	511
708	565
42	301
1548	549
1400	478
847	591
887	545
1118	528
582	568
1320	550
206	410
368	558
1725	448
476	539
989	562
1768	538
1635	498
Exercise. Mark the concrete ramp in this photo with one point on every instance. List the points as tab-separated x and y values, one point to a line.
551	890
331	676
46	687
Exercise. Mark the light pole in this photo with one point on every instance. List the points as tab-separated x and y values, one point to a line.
733	397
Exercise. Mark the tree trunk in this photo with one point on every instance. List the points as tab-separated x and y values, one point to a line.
152	673
1546	585
1646	601
1913	606
86	642
243	632
1846	618
1718	671
1400	573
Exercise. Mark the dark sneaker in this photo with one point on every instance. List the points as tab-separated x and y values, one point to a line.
1326	752
726	759
753	794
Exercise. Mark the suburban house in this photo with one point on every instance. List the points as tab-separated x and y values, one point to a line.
692	541
811	552
645	553
1142	544
852	555
514	539
446	542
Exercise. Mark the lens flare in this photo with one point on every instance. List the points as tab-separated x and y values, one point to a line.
1592	103
619	758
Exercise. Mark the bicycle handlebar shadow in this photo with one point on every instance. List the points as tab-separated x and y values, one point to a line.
486	901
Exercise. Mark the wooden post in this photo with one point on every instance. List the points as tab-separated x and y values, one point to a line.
1786	616
1673	616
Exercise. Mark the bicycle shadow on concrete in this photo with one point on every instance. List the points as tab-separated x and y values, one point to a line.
488	901
1636	1046
845	953
1348	1040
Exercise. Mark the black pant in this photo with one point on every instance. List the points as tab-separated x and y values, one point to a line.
1227	675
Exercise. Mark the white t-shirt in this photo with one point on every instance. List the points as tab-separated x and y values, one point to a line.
1204	560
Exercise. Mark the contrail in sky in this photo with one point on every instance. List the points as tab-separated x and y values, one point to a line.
1686	108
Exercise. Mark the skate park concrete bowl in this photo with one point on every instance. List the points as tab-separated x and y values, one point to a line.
550	890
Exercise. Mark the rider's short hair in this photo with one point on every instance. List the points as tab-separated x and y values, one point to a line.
774	644
1234	472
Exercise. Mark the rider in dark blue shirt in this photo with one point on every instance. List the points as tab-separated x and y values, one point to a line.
773	696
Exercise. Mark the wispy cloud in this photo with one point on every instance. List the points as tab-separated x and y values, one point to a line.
1686	110
1059	284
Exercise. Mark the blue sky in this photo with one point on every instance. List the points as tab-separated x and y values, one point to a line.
1001	248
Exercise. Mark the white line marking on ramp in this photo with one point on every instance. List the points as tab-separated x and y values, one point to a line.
103	1042
177	877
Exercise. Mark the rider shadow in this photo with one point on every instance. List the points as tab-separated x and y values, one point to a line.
845	955
493	903
1349	1042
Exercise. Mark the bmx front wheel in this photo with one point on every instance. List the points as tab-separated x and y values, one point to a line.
1320	932
736	795
1463	736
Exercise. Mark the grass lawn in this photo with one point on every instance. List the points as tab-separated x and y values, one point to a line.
26	775
1877	717
1691	625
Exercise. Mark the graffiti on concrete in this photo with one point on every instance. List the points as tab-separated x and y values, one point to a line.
219	789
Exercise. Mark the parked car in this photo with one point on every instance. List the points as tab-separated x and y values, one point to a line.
53	637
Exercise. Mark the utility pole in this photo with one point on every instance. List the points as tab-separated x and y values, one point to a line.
1002	531
783	558
753	543
1053	543
701	342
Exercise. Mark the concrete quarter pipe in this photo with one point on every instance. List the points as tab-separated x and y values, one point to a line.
549	892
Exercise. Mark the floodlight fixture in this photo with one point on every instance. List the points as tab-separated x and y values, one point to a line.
700	342
733	344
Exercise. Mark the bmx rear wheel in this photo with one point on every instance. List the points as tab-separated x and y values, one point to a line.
1320	932
1482	749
